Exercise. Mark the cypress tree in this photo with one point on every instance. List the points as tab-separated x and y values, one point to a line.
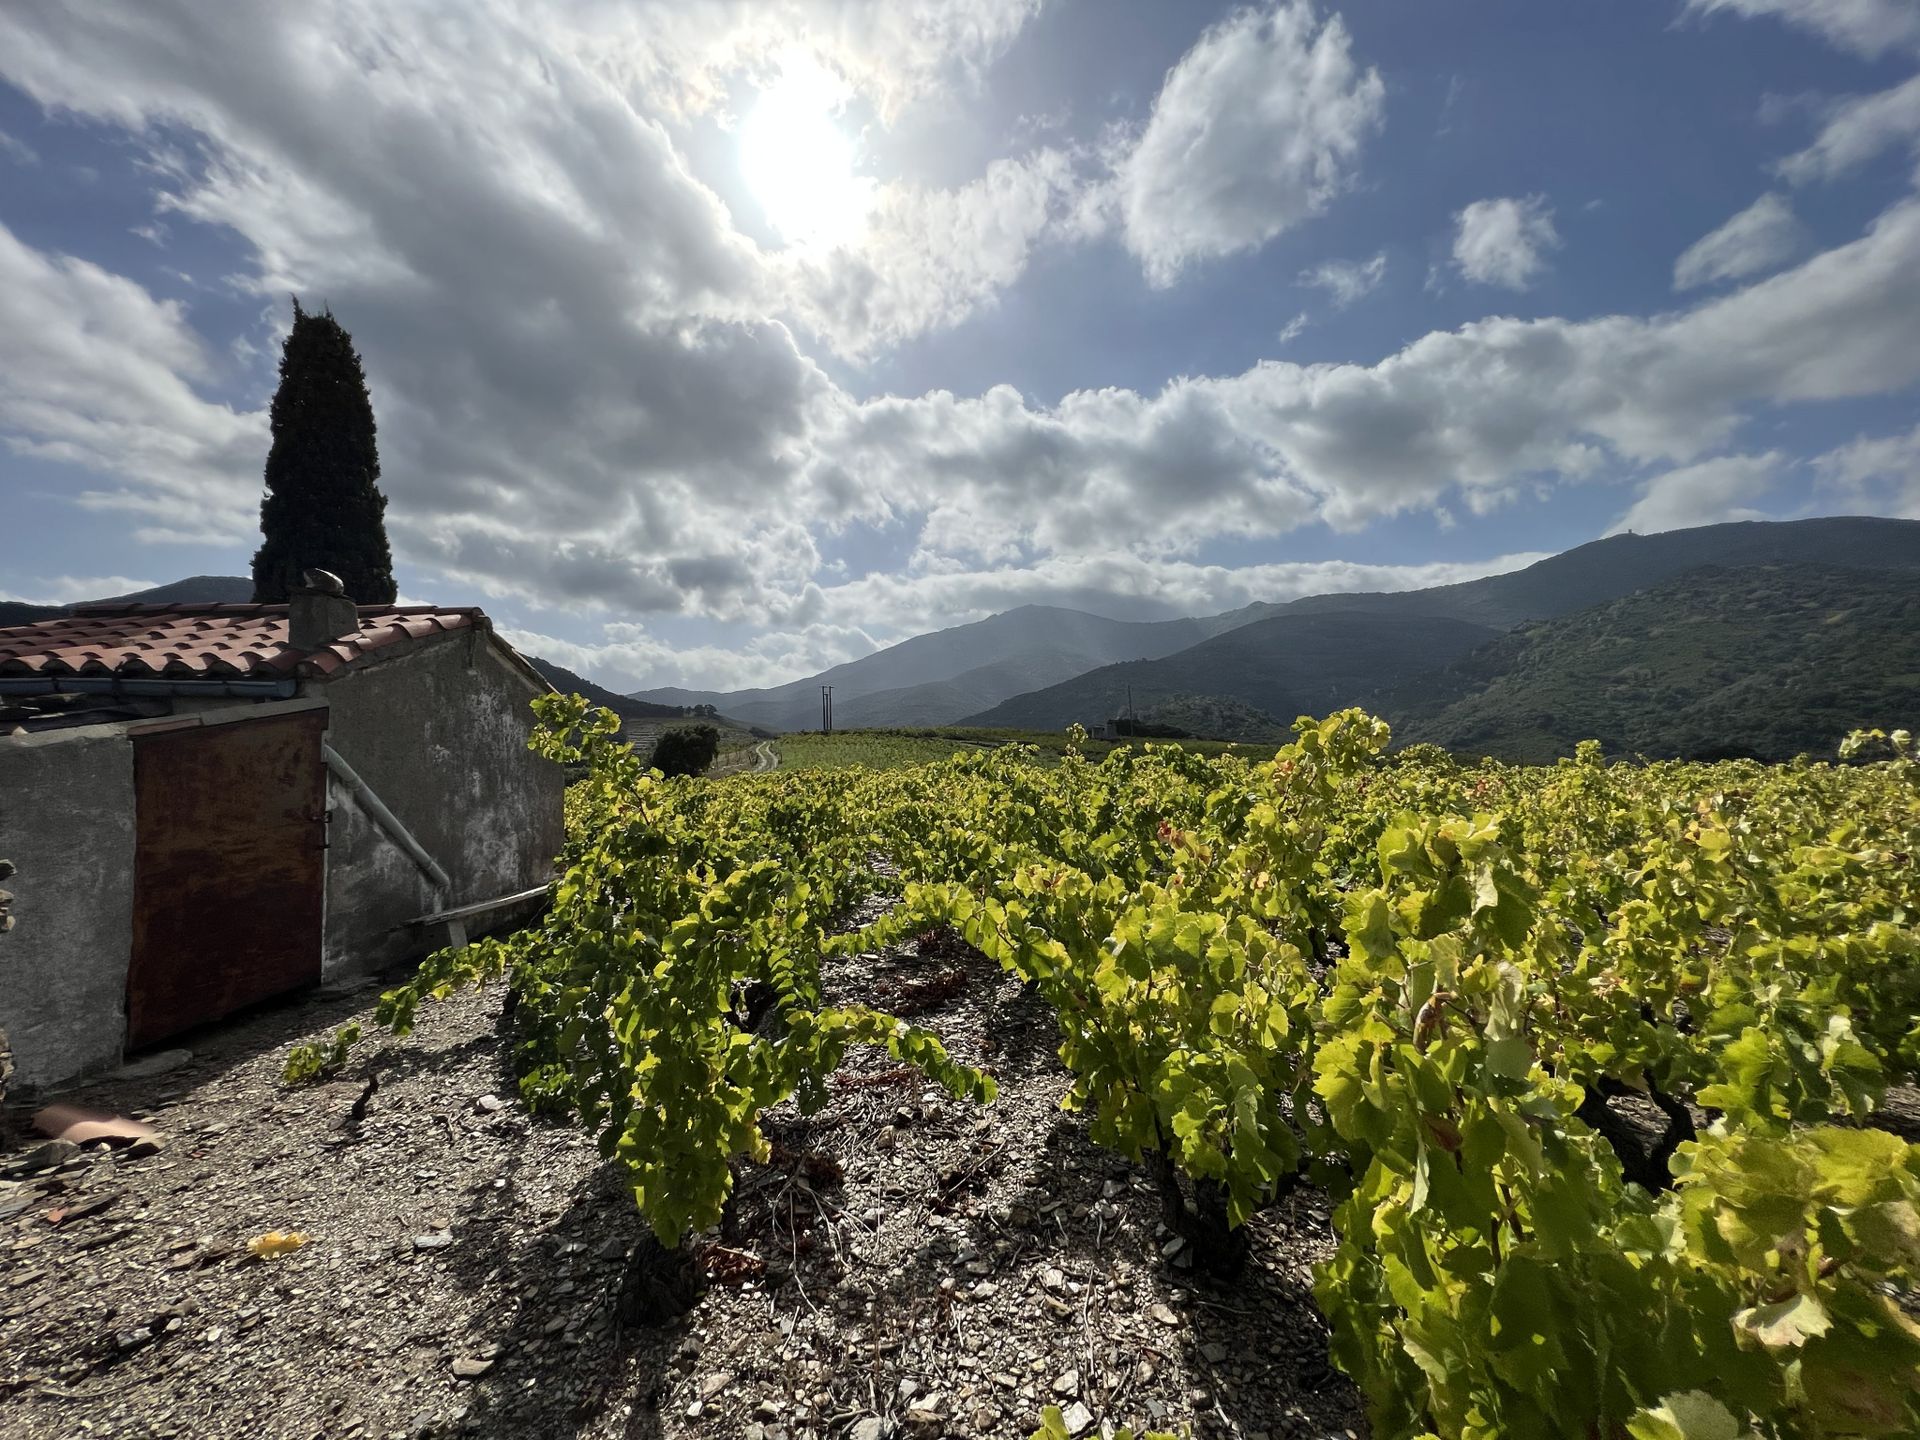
323	509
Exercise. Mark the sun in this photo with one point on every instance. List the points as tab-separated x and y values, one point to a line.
799	163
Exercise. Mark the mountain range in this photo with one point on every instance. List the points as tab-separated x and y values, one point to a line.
1767	661
935	679
625	706
1424	657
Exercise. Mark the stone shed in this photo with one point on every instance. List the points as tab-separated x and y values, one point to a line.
211	805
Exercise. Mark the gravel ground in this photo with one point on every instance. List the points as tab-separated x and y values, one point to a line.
907	1266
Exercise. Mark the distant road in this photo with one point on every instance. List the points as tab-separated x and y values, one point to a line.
753	759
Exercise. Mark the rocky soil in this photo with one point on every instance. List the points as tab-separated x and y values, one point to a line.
907	1266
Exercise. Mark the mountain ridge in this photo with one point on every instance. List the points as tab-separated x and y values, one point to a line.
1042	666
994	653
1284	665
1594	573
1761	661
1584	575
194	590
625	706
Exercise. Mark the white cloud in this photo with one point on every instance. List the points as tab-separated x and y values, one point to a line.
1856	130
1880	474
1865	27
586	401
1125	583
579	433
1705	494
554	121
1257	128
1293	329
17	150
1483	412
682	54
99	374
993	483
1761	237
931	257
913	602
1346	280
1501	242
992	477
630	658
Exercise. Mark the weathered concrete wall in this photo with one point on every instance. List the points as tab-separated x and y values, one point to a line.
66	818
440	734
373	886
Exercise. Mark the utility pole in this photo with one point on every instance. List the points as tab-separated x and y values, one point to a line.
826	709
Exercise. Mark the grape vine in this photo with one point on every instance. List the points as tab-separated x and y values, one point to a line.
1589	1056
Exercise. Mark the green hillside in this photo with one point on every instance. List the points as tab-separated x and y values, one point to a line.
1288	665
1767	661
1217	717
1606	569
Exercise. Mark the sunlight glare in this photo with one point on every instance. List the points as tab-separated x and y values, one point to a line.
798	163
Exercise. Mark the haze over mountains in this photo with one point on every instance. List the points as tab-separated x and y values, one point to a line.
1293	660
935	679
625	706
1391	651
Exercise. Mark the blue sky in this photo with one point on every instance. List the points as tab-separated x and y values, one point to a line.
715	342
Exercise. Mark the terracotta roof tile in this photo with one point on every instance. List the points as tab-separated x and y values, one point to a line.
208	641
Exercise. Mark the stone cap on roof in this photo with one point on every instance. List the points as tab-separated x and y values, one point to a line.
212	642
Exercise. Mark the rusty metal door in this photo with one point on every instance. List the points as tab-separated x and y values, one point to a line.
229	869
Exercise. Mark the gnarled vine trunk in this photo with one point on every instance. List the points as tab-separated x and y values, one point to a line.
1201	1220
1647	1166
659	1285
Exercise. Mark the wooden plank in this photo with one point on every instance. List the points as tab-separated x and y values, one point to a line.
479	907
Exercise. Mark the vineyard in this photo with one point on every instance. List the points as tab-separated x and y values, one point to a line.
1589	1058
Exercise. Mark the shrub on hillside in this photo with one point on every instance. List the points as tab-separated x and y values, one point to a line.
685	750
